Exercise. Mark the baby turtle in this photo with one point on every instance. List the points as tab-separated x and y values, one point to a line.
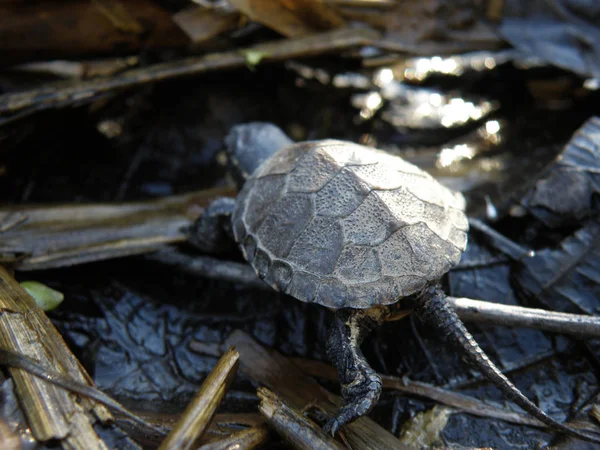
356	230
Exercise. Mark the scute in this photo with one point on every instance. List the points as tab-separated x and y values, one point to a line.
358	264
344	225
286	220
371	223
261	196
318	247
312	172
304	286
279	276
341	195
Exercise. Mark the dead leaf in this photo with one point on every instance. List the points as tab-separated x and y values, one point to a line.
291	18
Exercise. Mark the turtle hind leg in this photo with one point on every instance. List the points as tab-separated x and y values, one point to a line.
432	307
360	384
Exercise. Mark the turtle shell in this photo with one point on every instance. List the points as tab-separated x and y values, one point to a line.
344	225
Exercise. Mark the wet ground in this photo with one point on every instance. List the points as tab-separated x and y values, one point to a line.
132	331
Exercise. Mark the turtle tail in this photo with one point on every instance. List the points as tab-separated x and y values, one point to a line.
433	308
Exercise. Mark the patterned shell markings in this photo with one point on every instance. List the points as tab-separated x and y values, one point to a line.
345	225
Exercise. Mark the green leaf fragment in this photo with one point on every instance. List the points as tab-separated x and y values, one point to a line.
253	58
45	297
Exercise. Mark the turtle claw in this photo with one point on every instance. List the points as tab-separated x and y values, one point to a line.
361	398
332	427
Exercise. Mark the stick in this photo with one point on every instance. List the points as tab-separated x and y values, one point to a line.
199	413
469	310
299	431
477	311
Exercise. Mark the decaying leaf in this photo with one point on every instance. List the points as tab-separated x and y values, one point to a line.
562	33
568	190
565	279
33	31
428	27
426	428
291	18
202	24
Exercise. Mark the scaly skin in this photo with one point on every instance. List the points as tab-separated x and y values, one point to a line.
433	308
361	385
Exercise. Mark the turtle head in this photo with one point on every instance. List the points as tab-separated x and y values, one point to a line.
250	144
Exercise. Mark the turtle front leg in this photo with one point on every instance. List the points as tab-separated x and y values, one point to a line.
360	384
212	233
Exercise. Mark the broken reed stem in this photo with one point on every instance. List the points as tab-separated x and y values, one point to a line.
209	267
16	360
52	413
247	439
510	248
578	325
43	237
299	431
197	416
61	94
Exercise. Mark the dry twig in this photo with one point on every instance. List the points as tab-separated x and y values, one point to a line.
197	417
299	431
461	402
247	439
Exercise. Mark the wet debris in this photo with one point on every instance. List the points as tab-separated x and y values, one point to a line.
418	86
278	374
51	412
457	401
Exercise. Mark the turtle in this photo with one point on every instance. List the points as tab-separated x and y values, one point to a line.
356	230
